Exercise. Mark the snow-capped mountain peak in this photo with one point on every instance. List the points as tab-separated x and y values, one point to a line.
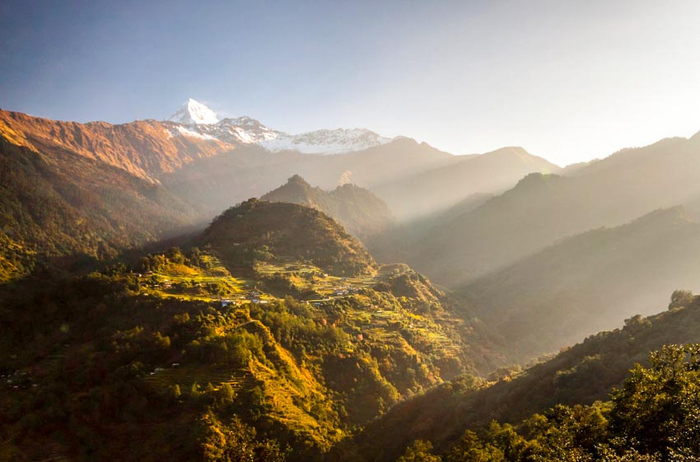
194	113
197	120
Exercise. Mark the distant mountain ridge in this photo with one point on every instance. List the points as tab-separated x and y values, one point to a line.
444	186
357	209
246	130
589	282
198	156
543	208
97	189
193	167
145	149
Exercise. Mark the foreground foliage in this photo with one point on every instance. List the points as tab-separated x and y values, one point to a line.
580	375
654	416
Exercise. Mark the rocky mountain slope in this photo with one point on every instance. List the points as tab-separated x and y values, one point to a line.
145	149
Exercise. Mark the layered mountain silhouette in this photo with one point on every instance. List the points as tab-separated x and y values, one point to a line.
589	282
278	314
357	209
253	171
97	188
216	162
541	209
444	186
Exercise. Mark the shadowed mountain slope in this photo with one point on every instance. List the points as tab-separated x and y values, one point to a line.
357	209
62	204
589	282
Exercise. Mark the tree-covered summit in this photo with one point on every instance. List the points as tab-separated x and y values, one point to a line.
265	231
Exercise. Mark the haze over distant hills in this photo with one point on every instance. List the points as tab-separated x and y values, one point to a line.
589	282
277	313
357	209
216	161
541	209
200	160
444	186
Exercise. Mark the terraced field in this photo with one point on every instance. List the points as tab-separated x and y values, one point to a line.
187	376
384	322
210	282
309	277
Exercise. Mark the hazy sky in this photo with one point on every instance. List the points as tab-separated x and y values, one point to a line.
568	80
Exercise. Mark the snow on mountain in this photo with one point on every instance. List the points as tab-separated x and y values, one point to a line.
195	119
243	130
335	141
194	113
185	132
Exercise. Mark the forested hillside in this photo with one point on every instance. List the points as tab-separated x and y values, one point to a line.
268	342
65	205
581	374
277	231
652	417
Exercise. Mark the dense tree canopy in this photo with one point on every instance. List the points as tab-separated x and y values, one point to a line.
654	416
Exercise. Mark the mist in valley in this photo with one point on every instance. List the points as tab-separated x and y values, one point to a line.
350	231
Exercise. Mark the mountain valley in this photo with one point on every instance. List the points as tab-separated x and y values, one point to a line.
219	290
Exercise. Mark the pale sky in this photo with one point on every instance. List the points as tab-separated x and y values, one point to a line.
567	80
